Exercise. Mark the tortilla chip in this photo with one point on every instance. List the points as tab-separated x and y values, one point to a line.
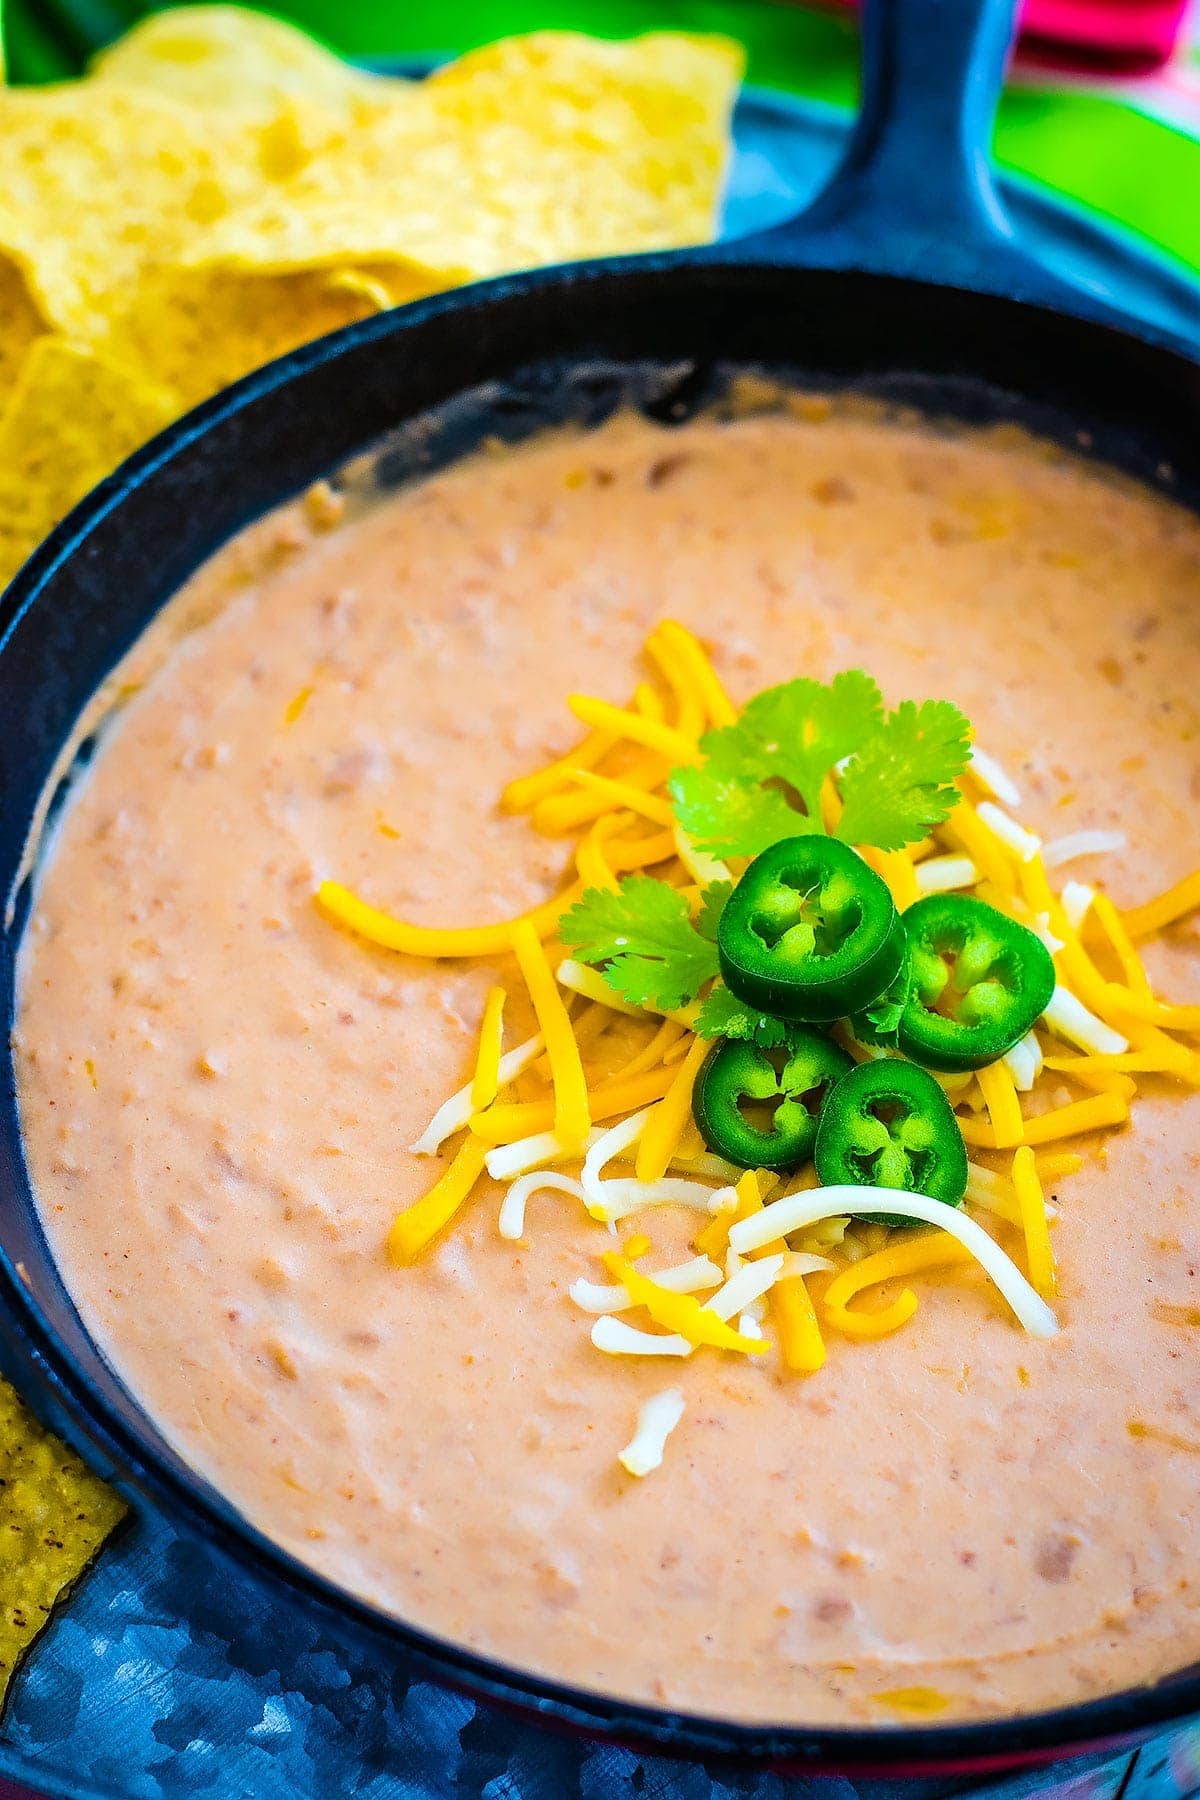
90	195
229	58
536	151
54	1516
193	331
20	324
70	419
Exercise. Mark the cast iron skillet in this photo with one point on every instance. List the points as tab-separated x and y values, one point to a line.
902	279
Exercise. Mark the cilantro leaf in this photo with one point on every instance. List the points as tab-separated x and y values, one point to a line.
879	1023
762	777
901	779
723	806
723	1015
788	737
642	934
712	905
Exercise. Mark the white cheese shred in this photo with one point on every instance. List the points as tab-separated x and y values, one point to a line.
798	1211
1077	897
745	1286
1082	843
656	1420
1024	844
943	874
684	1278
579	979
1069	1018
509	1160
607	1147
1024	1063
619	1199
512	1208
619	1339
453	1113
994	777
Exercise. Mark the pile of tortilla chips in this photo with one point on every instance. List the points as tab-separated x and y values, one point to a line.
219	189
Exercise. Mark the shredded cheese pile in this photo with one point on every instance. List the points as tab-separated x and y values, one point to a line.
605	1085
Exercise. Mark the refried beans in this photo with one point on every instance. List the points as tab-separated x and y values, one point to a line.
218	1087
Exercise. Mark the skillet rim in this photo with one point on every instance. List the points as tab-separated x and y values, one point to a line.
82	1415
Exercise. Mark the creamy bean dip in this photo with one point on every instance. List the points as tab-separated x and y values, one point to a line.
218	1086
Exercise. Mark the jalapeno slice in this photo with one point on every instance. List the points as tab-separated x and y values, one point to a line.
888	1124
809	932
979	982
759	1108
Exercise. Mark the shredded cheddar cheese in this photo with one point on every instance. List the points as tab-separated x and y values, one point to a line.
665	1125
1165	909
431	941
679	1314
485	1083
1038	1252
572	1118
1004	1109
418	1225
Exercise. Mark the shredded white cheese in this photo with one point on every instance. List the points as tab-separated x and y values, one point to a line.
994	777
656	1420
619	1339
611	1297
1039	924
745	1285
1077	899
1082	843
453	1113
579	979
508	1160
512	1209
943	874
799	1211
1069	1018
1024	1062
607	1146
618	1199
1024	844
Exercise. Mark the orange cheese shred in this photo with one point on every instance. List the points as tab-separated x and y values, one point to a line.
680	1313
1039	1254
485	1083
664	1127
572	1117
1004	1109
420	1223
430	940
1154	915
1092	1114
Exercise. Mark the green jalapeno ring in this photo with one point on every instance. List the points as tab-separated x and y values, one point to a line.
888	1124
810	932
980	982
737	1075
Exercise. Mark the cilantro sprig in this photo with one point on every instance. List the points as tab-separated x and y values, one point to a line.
761	778
761	781
651	952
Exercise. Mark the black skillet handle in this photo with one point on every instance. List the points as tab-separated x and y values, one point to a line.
914	193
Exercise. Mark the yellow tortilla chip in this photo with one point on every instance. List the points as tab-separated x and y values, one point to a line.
193	331
230	58
91	194
54	1516
20	324
540	150
70	419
